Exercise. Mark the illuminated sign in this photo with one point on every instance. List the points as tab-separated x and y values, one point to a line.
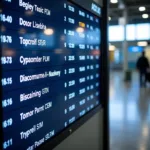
96	8
50	77
90	5
135	49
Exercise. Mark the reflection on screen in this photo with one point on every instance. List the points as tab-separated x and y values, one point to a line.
50	69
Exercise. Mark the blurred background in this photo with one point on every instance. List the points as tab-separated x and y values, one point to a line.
129	32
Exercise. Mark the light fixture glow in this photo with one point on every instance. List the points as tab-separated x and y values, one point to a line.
142	8
143	43
48	31
80	30
145	16
114	1
109	18
82	24
22	31
29	13
112	48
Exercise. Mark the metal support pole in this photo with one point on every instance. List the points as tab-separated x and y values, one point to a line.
127	73
125	43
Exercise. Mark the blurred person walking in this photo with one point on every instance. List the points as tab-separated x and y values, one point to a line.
142	66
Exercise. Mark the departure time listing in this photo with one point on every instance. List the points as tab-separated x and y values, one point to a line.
50	69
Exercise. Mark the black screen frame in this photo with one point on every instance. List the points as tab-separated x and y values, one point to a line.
1	111
53	142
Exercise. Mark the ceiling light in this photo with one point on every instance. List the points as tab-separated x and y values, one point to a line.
145	16
112	48
142	8
109	18
114	1
144	43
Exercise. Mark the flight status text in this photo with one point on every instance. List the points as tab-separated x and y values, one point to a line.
50	69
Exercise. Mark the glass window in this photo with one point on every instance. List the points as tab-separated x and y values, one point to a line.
131	35
143	31
116	33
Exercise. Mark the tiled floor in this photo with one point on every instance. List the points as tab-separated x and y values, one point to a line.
129	114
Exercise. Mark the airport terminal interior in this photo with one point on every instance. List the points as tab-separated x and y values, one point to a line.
57	57
130	124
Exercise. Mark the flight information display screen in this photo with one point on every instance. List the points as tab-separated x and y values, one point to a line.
50	65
